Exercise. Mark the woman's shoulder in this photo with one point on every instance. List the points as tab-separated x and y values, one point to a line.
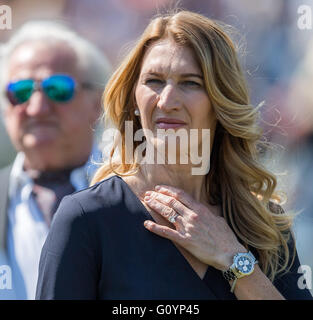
103	186
107	193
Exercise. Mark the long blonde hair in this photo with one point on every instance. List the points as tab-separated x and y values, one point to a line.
236	181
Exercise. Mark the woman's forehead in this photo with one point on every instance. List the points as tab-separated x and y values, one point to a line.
166	55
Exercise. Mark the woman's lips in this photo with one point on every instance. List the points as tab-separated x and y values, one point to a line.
169	123
163	125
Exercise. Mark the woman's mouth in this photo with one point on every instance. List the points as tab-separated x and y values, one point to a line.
169	123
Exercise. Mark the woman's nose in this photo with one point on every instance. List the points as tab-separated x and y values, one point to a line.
169	98
38	104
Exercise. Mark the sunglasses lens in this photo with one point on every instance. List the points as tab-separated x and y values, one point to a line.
20	91
59	88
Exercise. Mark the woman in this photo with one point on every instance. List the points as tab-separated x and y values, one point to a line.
154	229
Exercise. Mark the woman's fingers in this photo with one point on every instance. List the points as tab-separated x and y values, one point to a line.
183	199
202	232
168	213
178	194
165	205
164	231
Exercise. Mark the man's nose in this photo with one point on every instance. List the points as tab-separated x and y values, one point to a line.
169	98
38	104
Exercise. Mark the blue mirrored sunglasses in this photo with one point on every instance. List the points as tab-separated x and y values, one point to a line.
58	87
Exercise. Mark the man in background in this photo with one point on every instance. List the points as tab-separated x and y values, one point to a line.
53	80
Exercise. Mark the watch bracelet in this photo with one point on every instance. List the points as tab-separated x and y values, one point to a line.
229	275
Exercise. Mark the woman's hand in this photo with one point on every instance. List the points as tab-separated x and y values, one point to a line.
205	235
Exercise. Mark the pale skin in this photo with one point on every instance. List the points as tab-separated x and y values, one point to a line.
200	233
52	135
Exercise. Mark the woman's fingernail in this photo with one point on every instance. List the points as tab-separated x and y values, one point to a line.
147	198
148	193
157	188
147	223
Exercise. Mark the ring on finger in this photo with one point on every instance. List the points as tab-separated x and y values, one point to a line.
173	218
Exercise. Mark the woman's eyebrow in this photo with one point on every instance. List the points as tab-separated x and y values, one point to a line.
150	73
188	75
183	75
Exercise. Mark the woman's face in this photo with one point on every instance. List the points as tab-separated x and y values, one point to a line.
170	92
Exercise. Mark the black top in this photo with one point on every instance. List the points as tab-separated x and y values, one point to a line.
98	248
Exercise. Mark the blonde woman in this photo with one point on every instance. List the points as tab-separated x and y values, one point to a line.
160	229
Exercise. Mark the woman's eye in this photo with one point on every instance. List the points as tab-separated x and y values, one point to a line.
191	83
153	81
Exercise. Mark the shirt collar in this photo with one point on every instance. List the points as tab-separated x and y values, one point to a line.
79	177
18	177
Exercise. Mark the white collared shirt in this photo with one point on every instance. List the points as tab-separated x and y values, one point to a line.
27	229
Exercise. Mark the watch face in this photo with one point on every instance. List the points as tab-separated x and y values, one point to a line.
244	264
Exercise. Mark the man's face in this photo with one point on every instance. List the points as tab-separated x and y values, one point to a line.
52	135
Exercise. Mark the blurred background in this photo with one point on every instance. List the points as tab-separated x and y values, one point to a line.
276	54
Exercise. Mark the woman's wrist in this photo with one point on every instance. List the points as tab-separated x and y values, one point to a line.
256	286
227	259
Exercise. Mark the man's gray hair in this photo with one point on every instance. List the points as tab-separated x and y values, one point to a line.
91	61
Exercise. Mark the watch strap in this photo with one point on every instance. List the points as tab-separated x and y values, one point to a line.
229	274
233	286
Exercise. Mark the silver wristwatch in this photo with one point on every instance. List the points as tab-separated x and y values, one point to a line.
243	265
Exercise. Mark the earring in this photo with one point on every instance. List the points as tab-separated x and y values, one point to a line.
137	113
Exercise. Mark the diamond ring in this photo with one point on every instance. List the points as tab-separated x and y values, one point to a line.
172	218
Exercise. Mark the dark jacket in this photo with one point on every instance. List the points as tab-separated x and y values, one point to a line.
98	248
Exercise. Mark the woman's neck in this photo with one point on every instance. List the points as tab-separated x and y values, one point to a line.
180	177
